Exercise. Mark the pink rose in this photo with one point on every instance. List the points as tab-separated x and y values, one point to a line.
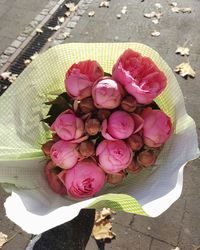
84	180
107	93
53	180
68	126
80	78
140	76
64	154
157	127
120	125
114	156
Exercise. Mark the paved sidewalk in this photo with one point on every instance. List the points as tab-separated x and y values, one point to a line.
179	225
15	15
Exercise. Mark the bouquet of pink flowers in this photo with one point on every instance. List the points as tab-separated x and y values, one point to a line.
104	126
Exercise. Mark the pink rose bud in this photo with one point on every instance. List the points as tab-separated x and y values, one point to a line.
135	142
129	103
80	77
107	93
87	105
115	178
140	76
47	147
114	156
157	127
92	126
86	148
103	114
64	154
54	182
134	167
84	180
120	125
68	126
146	158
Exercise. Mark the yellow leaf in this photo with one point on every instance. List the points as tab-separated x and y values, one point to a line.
38	30
3	239
183	51
57	27
103	226
67	13
184	70
91	13
155	33
104	4
183	10
71	6
61	19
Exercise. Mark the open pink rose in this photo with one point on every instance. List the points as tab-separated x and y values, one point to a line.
84	180
80	78
140	76
114	156
157	127
68	126
53	180
107	93
64	154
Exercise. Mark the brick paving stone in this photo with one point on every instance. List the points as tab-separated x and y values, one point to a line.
159	245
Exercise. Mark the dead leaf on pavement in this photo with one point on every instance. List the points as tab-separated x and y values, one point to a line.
155	33
174	4
158	5
183	51
103	226
8	75
71	6
185	69
67	13
38	30
104	4
29	60
3	239
91	13
61	19
124	10
179	10
57	27
177	248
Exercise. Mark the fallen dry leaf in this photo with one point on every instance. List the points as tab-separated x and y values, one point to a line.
91	13
103	226
27	62
174	4
57	27
38	30
153	14
158	5
183	10
5	75
34	56
155	33
8	75
155	21
104	4
185	69
71	6
177	248
3	239
124	10
61	19
183	51
67	13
